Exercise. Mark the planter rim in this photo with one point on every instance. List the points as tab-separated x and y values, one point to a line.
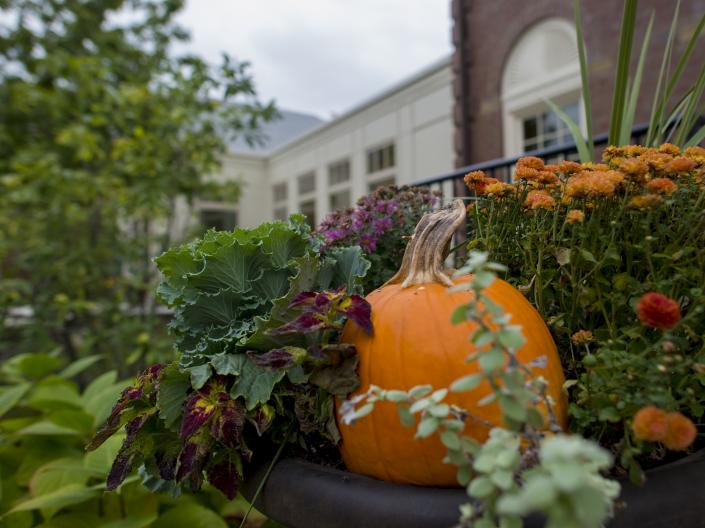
301	494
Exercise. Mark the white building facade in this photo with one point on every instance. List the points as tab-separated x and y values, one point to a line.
401	136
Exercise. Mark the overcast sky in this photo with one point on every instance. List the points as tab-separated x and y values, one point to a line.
322	56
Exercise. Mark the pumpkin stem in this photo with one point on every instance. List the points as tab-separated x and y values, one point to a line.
428	248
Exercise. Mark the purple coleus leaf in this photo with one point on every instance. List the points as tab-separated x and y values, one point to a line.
305	323
192	459
122	465
166	463
279	358
228	424
263	418
225	476
199	407
303	298
129	452
359	311
143	389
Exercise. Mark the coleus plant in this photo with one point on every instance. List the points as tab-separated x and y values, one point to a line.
257	319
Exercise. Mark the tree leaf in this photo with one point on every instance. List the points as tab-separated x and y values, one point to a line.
100	460
60	498
132	521
99	384
190	515
78	366
11	396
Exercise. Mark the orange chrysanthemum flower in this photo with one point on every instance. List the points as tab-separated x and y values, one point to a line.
499	189
612	152
531	162
669	148
539	200
534	175
661	186
680	165
650	424
633	151
474	177
645	201
581	337
594	184
680	432
569	167
695	153
634	168
658	311
590	166
656	160
477	181
574	216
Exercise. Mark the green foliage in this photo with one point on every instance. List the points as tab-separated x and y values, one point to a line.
257	315
519	469
102	131
47	477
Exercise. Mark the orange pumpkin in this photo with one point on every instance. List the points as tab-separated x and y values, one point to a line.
415	343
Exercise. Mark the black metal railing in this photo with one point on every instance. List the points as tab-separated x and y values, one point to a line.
451	184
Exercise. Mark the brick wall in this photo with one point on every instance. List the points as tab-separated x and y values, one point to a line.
492	27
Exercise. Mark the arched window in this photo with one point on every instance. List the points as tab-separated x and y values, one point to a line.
543	64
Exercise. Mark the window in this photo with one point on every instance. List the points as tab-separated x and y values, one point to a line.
281	213
280	194
308	209
546	128
380	158
219	219
381	183
340	200
542	65
338	173
307	183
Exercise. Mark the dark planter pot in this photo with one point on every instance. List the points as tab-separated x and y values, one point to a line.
300	494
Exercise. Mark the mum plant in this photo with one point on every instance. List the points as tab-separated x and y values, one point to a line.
256	319
381	224
613	256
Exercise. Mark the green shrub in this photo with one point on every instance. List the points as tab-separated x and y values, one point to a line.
47	477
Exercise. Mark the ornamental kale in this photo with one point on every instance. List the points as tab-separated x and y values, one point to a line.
257	317
380	224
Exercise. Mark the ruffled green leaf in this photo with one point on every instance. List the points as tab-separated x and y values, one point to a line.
255	384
